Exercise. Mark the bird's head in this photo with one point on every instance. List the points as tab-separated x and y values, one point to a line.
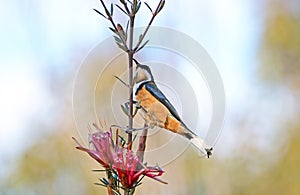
142	73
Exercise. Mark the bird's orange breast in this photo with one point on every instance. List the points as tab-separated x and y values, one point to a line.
145	98
157	113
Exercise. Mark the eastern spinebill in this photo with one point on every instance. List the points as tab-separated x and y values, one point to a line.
158	111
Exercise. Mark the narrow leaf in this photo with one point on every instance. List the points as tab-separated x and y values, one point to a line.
121	46
140	37
99	170
120	29
148	7
135	6
141	47
100	184
113	30
135	136
122	35
127	105
121	9
126	31
124	110
160	6
100	13
116	192
121	81
122	141
132	8
139	181
117	39
138	7
111	9
135	79
104	181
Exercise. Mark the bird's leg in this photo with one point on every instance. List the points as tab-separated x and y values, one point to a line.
137	107
125	107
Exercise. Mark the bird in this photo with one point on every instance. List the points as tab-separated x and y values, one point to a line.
158	111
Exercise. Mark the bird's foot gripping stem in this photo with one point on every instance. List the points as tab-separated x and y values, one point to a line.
125	108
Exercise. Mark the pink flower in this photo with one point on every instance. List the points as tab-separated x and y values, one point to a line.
102	148
130	169
113	156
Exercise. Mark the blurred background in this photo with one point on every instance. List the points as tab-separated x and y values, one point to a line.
255	44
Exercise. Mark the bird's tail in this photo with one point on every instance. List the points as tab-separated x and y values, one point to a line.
199	143
179	127
202	146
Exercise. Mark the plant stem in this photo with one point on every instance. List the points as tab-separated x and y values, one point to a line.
126	191
129	191
130	68
142	145
147	28
144	34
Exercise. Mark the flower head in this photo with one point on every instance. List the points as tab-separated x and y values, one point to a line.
130	169
114	156
102	147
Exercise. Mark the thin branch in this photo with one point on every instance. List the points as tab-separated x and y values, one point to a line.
122	9
142	144
130	68
126	7
100	14
154	14
109	17
148	7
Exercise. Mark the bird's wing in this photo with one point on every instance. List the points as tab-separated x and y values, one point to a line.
153	89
